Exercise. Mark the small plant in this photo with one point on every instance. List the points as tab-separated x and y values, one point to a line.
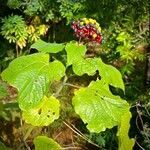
14	30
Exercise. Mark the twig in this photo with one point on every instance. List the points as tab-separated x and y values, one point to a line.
28	133
28	148
139	115
139	144
57	135
79	131
85	138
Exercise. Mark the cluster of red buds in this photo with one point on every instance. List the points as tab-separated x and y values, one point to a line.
87	29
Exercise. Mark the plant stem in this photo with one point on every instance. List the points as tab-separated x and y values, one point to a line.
75	86
61	86
85	138
17	51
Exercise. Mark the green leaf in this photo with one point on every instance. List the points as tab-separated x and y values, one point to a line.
123	36
98	107
42	46
76	58
125	143
45	143
75	53
110	75
3	90
44	113
2	146
31	75
83	66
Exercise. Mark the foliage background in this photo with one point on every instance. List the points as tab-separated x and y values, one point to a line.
125	28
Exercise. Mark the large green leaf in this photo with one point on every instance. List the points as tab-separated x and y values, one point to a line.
125	143
108	73
42	46
44	113
31	75
98	107
45	143
75	53
82	65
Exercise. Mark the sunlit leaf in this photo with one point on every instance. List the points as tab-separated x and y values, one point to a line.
45	143
110	75
125	143
44	113
42	46
75	53
31	75
98	107
84	66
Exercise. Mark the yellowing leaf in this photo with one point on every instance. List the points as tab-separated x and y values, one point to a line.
44	113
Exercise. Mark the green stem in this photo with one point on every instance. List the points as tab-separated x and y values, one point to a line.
72	85
61	86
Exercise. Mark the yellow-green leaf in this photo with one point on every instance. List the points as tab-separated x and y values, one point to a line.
42	46
43	114
31	75
125	143
45	143
98	107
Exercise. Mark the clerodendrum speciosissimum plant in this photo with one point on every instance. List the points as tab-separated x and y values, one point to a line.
87	29
96	105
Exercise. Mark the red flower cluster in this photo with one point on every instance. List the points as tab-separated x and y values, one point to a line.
87	29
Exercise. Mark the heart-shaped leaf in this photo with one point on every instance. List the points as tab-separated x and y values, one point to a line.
31	75
98	107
